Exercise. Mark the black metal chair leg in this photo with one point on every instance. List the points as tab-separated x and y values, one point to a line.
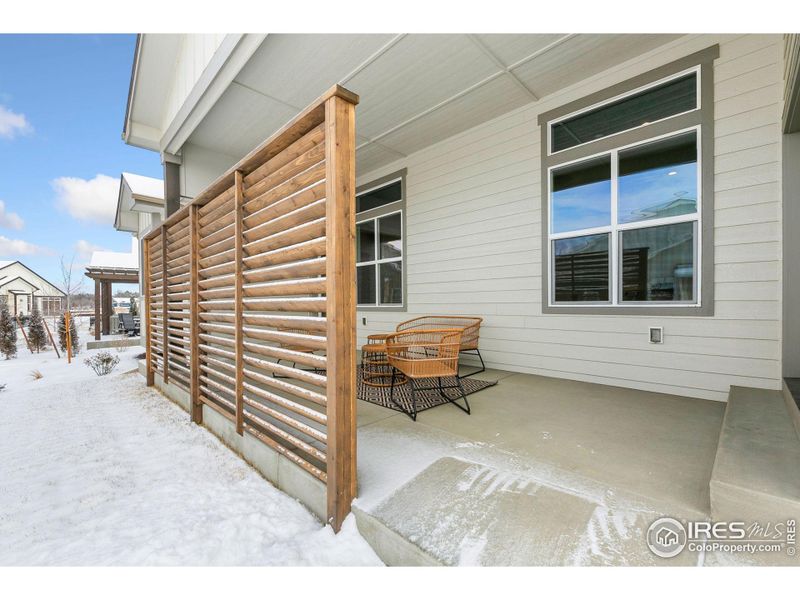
413	415
464	396
481	370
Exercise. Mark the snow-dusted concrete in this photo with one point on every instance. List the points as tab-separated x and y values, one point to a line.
104	471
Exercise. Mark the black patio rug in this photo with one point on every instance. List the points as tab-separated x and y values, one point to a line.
425	399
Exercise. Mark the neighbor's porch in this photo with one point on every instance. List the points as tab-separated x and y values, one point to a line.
557	471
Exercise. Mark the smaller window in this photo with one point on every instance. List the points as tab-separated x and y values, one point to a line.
379	246
647	106
379	197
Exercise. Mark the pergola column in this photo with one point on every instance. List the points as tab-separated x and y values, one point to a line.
107	308
97	309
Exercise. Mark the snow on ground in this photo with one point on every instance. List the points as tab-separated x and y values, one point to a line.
104	471
15	373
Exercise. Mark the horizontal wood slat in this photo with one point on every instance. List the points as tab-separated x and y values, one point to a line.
239	302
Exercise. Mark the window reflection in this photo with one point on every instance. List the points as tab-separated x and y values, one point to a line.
582	195
658	264
581	269
658	180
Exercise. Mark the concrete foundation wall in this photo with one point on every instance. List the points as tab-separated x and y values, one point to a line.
791	253
279	471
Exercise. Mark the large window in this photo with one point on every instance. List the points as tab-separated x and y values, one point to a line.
379	245
625	181
623	225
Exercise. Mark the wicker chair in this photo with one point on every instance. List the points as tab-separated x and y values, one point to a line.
470	332
425	354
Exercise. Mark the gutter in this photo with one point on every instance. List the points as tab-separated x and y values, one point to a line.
131	86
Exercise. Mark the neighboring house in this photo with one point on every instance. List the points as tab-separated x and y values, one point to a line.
140	207
573	190
21	288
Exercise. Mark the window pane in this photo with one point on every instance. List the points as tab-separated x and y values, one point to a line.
365	241
366	284
658	264
581	269
389	231
659	179
582	195
671	98
379	197
391	282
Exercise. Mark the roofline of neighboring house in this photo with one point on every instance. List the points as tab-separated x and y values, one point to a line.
35	288
27	268
131	86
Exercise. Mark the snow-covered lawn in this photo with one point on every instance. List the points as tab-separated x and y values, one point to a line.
104	471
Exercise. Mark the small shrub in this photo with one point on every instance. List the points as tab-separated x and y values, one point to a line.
37	336
2	386
62	335
36	374
8	332
102	363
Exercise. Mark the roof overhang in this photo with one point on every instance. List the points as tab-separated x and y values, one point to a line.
415	89
130	203
113	274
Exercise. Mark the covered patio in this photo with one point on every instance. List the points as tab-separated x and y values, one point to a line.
544	471
104	278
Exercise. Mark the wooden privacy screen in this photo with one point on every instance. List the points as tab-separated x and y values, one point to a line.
250	296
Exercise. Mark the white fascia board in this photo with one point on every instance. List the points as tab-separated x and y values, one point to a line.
143	136
230	58
147	205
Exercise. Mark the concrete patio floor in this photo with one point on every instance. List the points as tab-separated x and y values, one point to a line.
544	471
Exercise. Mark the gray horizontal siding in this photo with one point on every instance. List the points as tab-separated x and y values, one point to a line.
473	244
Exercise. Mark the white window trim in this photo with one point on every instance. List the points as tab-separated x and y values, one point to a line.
639	90
614	229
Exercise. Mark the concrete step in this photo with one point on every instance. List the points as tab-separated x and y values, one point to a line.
457	512
756	476
791	394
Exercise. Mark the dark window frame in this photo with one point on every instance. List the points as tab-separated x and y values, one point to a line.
701	118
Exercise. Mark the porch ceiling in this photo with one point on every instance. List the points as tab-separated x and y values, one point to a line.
415	89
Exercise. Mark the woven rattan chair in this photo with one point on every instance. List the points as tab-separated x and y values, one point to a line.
421	354
470	332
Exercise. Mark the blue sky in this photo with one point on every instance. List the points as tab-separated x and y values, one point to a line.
62	106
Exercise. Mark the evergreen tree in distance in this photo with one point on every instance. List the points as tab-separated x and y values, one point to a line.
37	336
8	333
134	311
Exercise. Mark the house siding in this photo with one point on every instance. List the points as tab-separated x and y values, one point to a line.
195	54
474	242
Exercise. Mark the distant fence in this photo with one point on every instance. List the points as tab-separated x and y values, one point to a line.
250	296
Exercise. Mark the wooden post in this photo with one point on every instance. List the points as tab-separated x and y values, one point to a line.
148	330
52	341
97	300
68	335
341	312
24	335
194	315
165	352
107	307
238	260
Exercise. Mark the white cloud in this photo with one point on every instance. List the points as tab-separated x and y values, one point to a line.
84	249
10	220
20	248
93	200
13	124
